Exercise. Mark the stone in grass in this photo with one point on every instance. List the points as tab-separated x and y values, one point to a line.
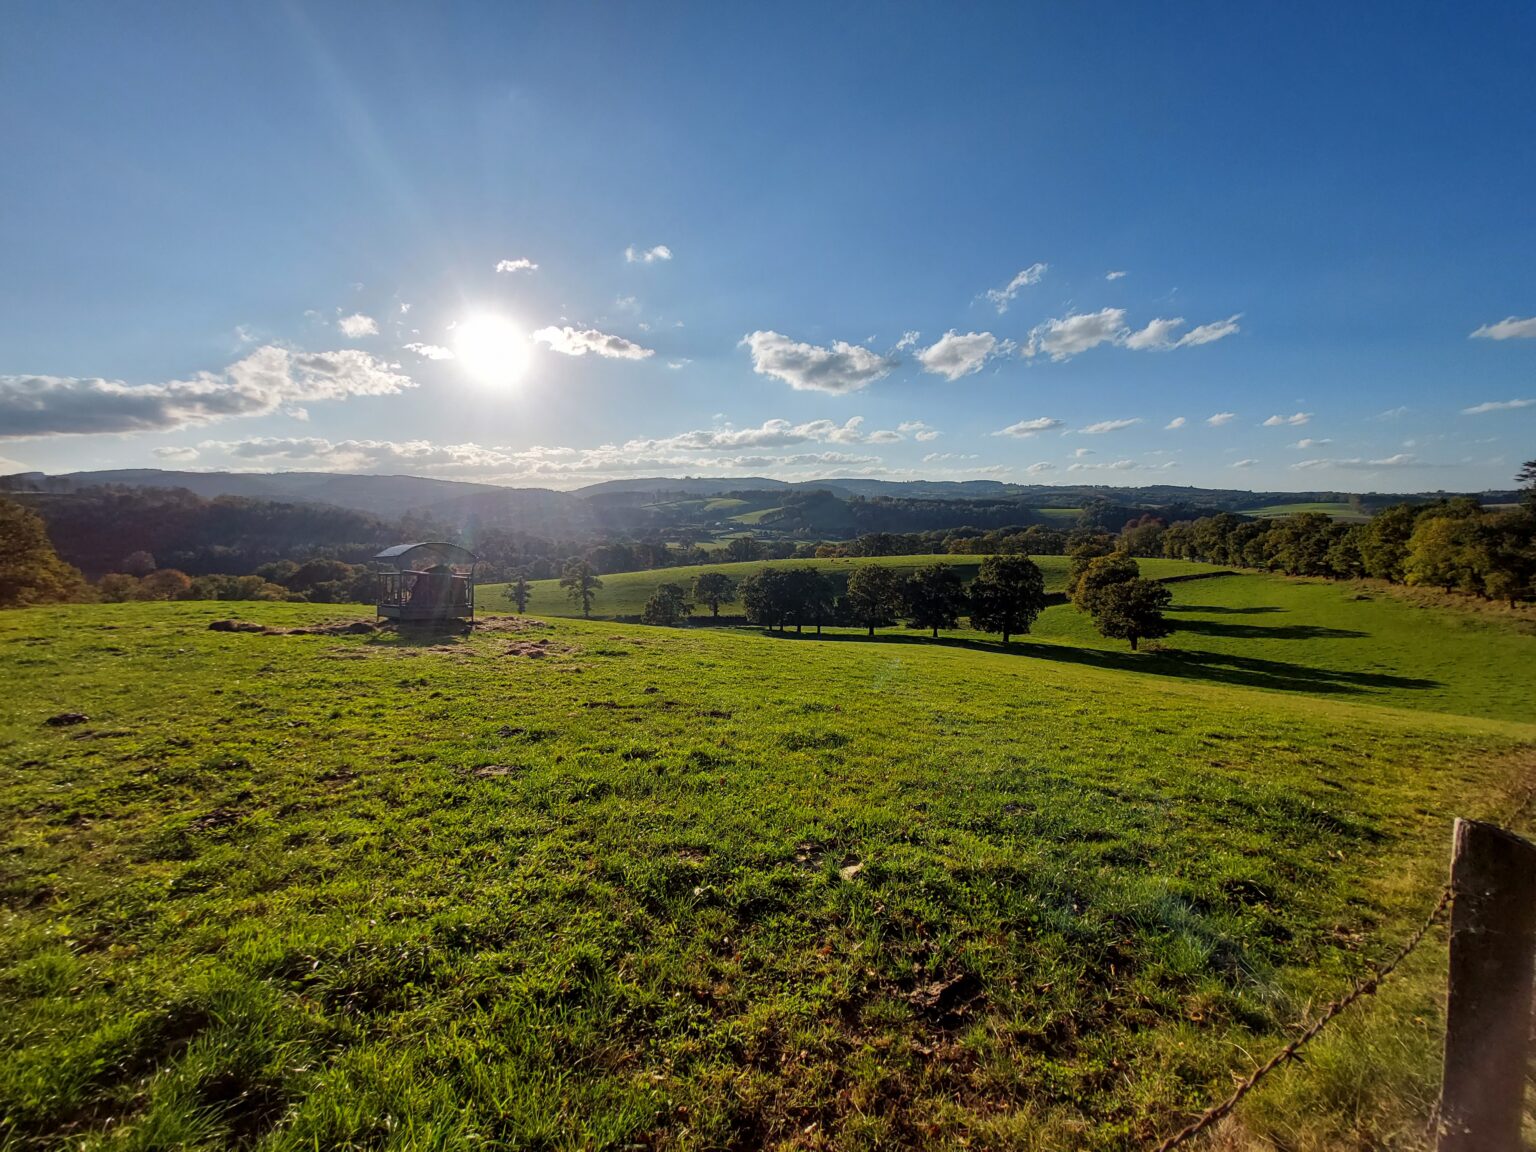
66	719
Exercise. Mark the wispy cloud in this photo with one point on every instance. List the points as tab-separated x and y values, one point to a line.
1122	466
841	368
1309	442
954	355
1496	406
1109	426
1295	420
918	430
521	264
580	341
1002	297
1400	460
180	454
635	255
1027	428
1510	328
430	351
1158	335
1176	422
1039	467
1115	275
1221	418
1243	463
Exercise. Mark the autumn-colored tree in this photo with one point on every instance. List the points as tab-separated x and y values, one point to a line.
30	570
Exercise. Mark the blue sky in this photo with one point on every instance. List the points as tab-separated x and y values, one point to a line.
887	240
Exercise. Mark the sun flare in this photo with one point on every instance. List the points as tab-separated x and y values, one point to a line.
491	349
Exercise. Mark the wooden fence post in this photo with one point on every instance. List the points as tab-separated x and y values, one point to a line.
1488	1006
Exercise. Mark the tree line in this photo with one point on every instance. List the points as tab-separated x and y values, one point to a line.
1006	596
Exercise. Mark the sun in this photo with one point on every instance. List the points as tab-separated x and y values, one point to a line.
491	349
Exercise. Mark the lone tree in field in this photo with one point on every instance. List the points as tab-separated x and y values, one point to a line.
935	598
765	596
667	605
1099	573
581	582
714	589
1132	610
1006	596
517	590
873	598
30	570
1527	478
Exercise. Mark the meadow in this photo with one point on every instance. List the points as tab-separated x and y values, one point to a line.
571	884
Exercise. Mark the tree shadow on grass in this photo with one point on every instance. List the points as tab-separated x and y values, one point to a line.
1215	667
1260	632
1224	610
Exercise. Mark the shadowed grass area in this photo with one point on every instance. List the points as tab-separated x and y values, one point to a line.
682	888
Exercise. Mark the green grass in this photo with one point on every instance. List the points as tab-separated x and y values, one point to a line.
625	593
1338	510
757	516
701	889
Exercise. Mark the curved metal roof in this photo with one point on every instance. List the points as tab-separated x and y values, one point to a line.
450	553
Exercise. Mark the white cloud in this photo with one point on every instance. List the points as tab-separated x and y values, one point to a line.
1122	466
953	355
1210	333
1244	463
1510	328
1039	467
1109	426
268	379
1077	332
1026	428
677	364
1115	275
769	434
357	325
1157	335
1221	418
1393	413
179	454
1309	442
430	351
908	340
918	430
1401	460
1496	406
521	264
1296	420
580	341
1081	452
1002	297
841	368
634	255
1176	422
938	457
404	308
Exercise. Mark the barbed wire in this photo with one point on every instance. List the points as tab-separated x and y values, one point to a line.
1362	988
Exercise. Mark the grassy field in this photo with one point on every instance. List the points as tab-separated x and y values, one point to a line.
584	885
1339	510
625	593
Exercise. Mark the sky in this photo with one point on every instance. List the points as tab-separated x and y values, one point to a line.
1280	247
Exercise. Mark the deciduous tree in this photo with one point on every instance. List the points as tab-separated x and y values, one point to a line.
667	605
30	570
873	598
935	598
1132	610
713	589
1100	573
581	583
1007	595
